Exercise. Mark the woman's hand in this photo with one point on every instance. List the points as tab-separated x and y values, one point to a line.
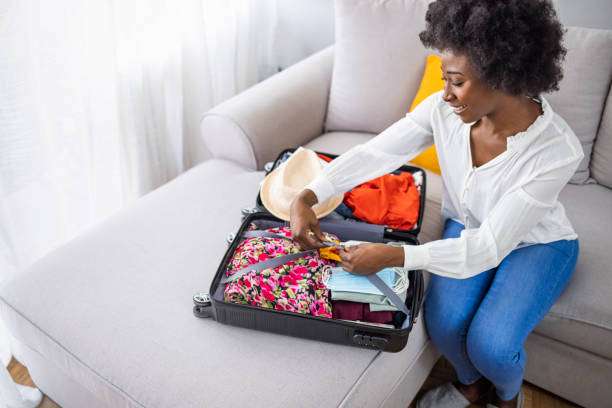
366	259
305	227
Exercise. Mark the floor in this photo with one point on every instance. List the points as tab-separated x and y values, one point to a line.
534	397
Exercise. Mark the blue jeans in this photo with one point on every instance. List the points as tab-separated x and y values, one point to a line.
480	324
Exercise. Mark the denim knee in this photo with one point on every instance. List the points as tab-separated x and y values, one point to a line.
445	324
492	351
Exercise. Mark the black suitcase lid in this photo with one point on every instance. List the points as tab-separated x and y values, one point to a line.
391	233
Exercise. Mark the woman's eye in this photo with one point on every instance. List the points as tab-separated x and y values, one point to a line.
452	83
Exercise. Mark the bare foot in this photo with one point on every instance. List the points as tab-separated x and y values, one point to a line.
475	391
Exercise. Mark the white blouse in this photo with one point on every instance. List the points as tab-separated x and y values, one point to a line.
510	200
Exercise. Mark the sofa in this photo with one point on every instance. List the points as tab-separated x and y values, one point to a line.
105	320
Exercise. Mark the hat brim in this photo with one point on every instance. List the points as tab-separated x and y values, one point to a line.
321	209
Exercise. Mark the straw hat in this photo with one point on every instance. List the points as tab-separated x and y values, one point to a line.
282	185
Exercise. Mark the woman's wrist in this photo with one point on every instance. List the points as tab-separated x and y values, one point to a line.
394	256
308	197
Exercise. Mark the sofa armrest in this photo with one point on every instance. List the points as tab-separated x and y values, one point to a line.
286	110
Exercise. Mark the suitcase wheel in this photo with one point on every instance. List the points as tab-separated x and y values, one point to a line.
202	306
202	312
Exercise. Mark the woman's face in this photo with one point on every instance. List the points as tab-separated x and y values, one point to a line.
469	97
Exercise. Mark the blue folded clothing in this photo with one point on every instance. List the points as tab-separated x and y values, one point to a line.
343	281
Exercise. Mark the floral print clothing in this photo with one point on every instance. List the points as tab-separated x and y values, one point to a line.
297	286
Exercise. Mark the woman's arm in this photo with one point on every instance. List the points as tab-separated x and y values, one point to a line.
483	248
386	152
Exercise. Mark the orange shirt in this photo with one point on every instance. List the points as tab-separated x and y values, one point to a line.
391	200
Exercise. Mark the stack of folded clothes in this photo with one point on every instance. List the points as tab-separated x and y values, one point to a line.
354	297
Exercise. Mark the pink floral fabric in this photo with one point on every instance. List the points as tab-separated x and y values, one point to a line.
296	286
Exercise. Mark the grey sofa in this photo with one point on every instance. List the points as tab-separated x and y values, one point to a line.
105	321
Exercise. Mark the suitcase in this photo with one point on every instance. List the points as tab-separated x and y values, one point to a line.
213	305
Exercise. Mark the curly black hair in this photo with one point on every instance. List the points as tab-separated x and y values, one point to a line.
515	46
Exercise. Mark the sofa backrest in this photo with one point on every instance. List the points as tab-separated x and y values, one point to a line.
601	161
582	94
379	61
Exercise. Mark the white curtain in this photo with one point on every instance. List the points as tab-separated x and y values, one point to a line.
100	102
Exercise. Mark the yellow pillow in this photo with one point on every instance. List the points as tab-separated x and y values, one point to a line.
431	83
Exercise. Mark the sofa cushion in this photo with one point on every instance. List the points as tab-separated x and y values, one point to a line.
584	88
601	162
112	311
378	63
582	317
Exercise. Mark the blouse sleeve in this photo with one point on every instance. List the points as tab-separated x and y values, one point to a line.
483	248
384	153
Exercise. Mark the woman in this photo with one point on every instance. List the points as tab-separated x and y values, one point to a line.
508	249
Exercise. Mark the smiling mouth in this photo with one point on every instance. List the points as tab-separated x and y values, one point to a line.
459	109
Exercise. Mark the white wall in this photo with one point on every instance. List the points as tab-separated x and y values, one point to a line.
307	26
585	13
304	27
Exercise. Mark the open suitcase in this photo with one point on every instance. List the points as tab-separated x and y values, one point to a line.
360	334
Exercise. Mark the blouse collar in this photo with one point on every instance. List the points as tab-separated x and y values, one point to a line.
522	139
